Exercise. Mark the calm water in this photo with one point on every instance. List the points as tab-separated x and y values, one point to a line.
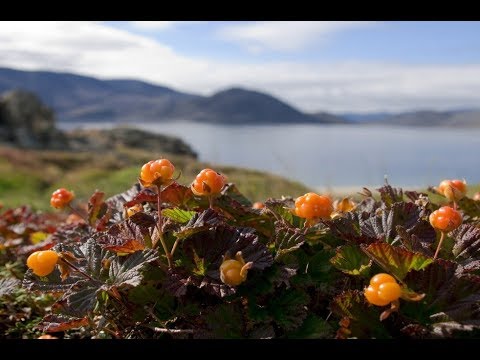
336	155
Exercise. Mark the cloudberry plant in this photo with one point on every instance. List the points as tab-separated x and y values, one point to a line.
445	219
383	289
61	198
157	172
208	182
312	206
234	271
453	190
42	263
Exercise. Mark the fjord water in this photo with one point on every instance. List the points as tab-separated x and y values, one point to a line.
333	156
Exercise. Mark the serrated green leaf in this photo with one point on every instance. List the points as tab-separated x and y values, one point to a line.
8	286
128	272
232	191
200	222
287	240
313	328
288	309
351	260
178	215
395	260
283	209
225	322
80	298
364	318
143	295
467	241
470	207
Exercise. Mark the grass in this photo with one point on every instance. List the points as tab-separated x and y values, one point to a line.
30	176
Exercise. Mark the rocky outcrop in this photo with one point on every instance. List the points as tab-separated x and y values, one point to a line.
108	139
25	122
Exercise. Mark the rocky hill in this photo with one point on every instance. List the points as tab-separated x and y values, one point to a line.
82	98
25	122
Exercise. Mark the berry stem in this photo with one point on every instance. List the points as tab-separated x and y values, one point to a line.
77	269
442	236
160	225
210	201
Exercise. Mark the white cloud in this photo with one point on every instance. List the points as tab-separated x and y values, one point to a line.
152	25
285	35
95	49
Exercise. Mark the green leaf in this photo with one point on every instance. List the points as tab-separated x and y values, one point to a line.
287	240
395	260
364	318
79	299
467	241
128	271
288	308
143	295
283	211
178	215
232	191
447	290
8	286
313	328
470	207
351	260
127	236
225	322
390	195
200	222
97	208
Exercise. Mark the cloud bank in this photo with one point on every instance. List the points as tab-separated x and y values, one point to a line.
95	49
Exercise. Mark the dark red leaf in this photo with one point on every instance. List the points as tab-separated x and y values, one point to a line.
57	323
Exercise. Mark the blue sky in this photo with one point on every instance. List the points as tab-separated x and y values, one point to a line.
314	66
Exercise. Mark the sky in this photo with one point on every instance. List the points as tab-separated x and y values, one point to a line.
332	66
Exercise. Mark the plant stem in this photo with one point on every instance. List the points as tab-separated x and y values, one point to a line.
160	225
77	269
442	236
75	211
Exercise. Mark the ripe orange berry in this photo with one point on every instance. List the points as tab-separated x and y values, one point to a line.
381	278
61	198
389	291
208	182
234	271
312	205
453	190
157	171
42	263
258	205
344	205
445	219
383	289
371	294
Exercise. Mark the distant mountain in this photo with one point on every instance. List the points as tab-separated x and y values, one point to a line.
365	117
328	118
457	118
81	98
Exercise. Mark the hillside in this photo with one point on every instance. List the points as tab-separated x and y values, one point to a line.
81	98
458	118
